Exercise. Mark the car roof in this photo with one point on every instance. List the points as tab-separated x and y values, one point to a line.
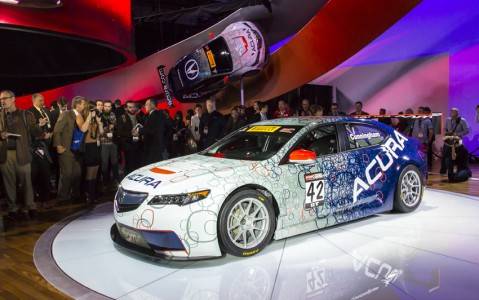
302	121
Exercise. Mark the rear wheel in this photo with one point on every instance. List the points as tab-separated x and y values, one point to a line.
246	224
409	190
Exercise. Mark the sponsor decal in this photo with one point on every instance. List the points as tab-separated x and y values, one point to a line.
194	95
389	154
251	42
211	59
192	69
264	128
287	130
147	181
164	83
249	253
314	190
161	171
364	136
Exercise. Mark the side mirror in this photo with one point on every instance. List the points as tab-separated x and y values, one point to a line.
302	156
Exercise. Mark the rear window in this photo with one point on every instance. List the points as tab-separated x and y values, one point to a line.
361	136
219	56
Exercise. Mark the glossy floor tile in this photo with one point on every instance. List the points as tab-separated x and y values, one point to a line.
432	253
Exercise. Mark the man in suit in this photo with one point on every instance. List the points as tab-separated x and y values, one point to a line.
129	136
17	127
41	160
154	132
212	123
70	164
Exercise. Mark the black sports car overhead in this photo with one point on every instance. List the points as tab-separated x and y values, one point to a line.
239	49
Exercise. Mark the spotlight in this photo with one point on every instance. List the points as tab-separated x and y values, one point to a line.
9	1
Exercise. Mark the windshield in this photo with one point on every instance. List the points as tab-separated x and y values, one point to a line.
219	56
258	142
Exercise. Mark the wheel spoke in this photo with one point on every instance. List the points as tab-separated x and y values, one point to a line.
235	226
245	241
253	236
249	207
256	212
238	235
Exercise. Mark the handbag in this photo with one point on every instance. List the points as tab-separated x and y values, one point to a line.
77	139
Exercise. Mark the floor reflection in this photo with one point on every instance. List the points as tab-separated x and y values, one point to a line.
430	254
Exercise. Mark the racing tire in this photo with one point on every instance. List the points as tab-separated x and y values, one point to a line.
246	223
409	190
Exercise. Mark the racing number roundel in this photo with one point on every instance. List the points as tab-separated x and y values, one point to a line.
314	190
192	70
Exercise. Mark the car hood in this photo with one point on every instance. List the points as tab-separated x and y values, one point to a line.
180	175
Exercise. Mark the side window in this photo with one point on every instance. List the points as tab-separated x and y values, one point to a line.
360	136
322	140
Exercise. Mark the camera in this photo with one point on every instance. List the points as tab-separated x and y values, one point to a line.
92	108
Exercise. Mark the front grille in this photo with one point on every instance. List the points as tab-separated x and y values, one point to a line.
128	200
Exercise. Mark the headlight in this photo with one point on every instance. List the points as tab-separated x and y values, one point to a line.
179	199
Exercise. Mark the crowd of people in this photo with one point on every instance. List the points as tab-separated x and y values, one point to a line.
57	155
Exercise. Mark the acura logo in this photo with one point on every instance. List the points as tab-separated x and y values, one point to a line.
192	69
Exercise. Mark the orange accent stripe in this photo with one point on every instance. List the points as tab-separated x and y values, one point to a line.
161	171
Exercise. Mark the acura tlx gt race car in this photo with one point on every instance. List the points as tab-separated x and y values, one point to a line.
269	180
238	51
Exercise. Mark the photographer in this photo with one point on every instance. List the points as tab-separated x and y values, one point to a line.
109	149
458	161
455	127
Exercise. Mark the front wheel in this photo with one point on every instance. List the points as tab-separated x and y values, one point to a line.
246	224
409	190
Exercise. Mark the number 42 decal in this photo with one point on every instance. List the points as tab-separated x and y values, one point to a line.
314	190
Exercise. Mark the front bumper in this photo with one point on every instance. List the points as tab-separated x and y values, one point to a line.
159	241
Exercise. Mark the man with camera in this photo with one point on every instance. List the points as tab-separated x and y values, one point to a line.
109	149
41	156
456	129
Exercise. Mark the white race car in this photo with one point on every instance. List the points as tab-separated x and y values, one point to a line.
269	180
239	50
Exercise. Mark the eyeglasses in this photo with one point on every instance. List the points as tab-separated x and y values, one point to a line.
5	98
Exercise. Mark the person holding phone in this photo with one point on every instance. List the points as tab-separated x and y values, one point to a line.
129	136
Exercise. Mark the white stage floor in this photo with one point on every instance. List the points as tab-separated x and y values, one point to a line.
432	253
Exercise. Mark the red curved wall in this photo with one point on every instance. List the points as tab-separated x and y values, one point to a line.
106	21
338	31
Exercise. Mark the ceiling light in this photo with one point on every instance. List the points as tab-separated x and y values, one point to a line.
9	1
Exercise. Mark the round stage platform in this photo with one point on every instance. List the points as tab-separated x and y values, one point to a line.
432	253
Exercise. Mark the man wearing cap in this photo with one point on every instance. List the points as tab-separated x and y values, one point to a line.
455	126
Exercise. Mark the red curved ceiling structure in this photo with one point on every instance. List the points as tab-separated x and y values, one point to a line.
105	21
337	31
